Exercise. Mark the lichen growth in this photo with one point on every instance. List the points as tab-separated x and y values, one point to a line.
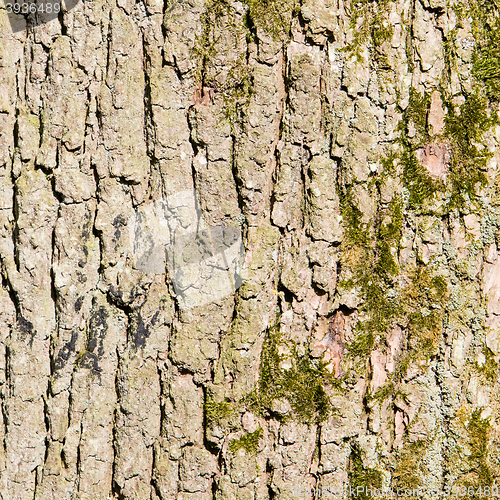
80	356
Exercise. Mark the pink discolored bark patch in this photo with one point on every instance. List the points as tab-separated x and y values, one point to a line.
334	344
435	158
203	96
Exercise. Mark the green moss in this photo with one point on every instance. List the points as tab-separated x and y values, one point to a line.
380	307
375	271
220	24
475	463
465	125
404	364
80	356
302	384
487	66
484	16
237	92
388	238
361	347
356	233
465	130
415	115
478	430
419	306
486	56
474	118
410	468
216	17
362	480
217	412
249	442
489	369
425	299
416	179
384	392
388	391
272	16
370	249
371	28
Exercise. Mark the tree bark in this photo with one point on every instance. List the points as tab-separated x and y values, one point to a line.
250	250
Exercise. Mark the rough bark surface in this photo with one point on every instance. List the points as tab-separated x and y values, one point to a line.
355	146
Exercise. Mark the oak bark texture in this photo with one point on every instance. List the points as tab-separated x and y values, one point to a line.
296	131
